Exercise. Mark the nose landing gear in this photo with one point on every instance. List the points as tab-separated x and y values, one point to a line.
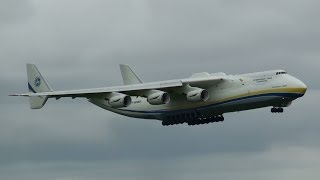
277	110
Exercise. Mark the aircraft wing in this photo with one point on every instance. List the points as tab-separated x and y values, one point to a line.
40	90
203	82
133	90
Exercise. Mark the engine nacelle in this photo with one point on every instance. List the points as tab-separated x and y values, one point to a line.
158	98
198	95
120	100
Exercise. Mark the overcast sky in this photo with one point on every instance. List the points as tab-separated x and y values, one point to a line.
79	44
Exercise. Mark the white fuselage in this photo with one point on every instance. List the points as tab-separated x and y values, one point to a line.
235	93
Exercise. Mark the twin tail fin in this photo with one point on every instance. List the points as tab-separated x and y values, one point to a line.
37	84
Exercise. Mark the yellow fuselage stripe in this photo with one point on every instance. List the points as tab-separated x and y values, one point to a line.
250	93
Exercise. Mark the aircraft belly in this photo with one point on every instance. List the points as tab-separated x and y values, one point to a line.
241	105
181	106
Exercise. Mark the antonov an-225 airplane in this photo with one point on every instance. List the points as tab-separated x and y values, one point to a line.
200	99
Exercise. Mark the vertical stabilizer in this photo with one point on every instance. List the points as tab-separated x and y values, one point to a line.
36	84
128	75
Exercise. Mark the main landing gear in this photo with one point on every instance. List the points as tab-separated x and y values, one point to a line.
277	110
192	120
208	120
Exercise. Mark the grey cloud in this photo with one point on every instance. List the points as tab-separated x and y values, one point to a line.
80	44
76	136
15	11
278	163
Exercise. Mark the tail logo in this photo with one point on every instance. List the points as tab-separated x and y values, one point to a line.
37	81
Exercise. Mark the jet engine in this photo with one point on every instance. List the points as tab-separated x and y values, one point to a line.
158	98
120	100
198	95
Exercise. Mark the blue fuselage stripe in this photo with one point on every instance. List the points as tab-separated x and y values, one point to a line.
287	95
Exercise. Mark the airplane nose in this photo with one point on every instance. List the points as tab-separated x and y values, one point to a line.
297	84
301	85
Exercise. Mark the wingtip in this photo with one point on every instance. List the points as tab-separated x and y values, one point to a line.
13	95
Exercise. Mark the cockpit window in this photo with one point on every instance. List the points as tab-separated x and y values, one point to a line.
281	72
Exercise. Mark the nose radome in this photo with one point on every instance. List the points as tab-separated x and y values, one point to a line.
301	85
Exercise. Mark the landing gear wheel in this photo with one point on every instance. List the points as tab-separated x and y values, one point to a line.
164	123
221	118
277	110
